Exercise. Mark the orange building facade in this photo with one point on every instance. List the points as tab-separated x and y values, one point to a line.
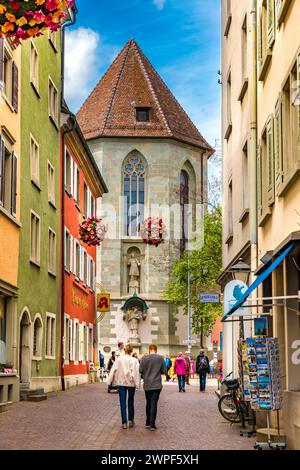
83	185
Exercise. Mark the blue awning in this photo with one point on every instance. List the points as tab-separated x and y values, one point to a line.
259	280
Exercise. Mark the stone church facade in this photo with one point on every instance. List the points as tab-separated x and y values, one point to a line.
154	161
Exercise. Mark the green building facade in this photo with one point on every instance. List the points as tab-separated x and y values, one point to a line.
39	272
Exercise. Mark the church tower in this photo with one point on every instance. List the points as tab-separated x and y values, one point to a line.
154	161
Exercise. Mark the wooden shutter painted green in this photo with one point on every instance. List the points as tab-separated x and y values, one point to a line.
14	179
278	145
270	22
259	181
259	38
270	161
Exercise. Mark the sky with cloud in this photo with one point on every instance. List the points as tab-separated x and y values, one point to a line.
180	38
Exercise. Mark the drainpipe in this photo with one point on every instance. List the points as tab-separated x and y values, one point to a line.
64	132
253	130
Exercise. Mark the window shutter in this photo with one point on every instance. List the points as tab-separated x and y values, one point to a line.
278	150
88	203
71	176
15	85
75	181
74	340
65	247
74	257
259	182
65	158
81	270
89	271
270	22
94	276
71	340
270	161
14	176
259	38
1	63
2	161
71	253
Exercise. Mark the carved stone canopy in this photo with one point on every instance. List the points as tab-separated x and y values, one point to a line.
137	302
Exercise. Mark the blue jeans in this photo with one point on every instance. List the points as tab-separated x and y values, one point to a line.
202	377
123	403
181	382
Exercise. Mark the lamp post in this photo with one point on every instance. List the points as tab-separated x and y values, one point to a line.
241	272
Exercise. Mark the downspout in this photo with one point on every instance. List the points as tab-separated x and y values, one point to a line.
62	235
253	131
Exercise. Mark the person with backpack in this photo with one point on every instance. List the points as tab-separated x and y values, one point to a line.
168	364
180	369
202	369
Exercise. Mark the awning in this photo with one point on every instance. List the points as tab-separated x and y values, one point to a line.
259	280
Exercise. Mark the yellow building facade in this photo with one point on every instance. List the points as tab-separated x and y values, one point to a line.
9	216
261	169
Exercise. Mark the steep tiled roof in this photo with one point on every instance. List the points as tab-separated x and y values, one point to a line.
130	82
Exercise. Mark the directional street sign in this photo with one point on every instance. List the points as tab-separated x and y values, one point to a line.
209	298
189	341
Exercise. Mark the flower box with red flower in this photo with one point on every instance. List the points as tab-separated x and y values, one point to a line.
23	19
92	231
153	231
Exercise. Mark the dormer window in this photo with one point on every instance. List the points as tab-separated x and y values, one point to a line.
142	114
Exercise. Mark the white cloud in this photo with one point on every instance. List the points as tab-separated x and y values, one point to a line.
159	4
81	64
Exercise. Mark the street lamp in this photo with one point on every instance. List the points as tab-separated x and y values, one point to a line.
241	272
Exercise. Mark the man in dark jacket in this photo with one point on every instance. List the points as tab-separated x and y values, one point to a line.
202	368
152	367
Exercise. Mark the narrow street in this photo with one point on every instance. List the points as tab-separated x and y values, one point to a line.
87	418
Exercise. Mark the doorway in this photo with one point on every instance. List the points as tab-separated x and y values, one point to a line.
25	348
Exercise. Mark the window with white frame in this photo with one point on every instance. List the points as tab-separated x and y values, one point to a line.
90	343
92	274
37	338
71	346
50	335
8	176
67	342
52	35
34	66
68	250
85	267
77	259
34	238
76	189
51	183
53	102
77	341
52	252
85	340
85	200
34	160
68	164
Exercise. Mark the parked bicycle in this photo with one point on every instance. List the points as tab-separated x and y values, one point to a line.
232	406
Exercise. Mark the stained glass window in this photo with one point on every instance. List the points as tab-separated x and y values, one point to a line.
134	194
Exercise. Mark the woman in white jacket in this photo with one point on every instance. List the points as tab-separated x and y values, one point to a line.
126	376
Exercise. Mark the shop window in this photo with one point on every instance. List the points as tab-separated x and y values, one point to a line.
67	342
50	335
3	306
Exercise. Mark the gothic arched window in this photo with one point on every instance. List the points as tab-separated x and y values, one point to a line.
134	194
184	201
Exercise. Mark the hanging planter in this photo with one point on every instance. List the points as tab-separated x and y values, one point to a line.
23	19
92	231
153	231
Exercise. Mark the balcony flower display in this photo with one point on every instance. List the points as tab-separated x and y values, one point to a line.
92	231
153	231
23	19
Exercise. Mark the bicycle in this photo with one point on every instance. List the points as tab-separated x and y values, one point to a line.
231	405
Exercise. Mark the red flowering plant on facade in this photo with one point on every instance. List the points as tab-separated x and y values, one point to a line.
23	19
92	231
153	231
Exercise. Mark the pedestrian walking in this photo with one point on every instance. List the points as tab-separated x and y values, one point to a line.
202	368
152	367
180	369
101	360
125	375
188	366
120	351
168	364
111	362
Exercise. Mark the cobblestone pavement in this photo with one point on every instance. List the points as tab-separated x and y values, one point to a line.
87	417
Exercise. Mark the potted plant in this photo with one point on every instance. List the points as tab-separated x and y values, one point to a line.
153	231
92	231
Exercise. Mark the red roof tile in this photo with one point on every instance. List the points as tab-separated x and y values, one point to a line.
130	82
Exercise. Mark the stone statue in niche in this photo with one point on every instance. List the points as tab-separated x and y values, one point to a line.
134	316
134	274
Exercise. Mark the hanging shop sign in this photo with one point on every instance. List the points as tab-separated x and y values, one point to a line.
209	298
103	303
24	19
